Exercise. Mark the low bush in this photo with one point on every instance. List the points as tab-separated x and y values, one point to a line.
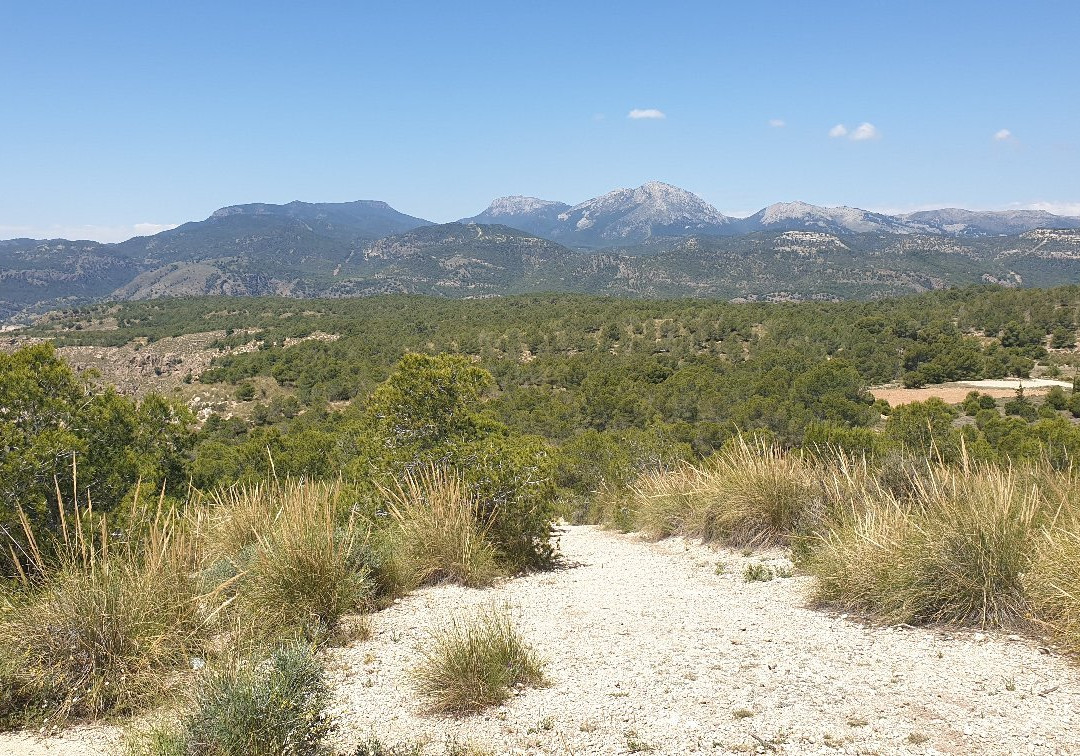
254	708
473	664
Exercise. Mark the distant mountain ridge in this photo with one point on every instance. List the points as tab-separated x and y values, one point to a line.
655	240
628	217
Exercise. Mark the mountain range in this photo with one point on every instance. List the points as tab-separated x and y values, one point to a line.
655	240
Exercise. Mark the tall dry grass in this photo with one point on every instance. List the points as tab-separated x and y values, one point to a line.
97	621
747	495
955	549
438	532
285	558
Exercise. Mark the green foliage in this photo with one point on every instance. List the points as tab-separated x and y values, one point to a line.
428	413
261	708
924	429
473	664
56	427
1056	398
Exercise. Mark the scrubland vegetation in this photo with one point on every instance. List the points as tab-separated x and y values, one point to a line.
152	561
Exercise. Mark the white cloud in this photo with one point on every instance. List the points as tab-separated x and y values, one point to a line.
777	123
76	233
646	113
864	132
1003	135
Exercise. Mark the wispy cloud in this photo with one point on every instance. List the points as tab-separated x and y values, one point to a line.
777	123
92	233
1003	135
864	132
638	114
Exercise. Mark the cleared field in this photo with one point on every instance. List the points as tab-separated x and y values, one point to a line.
954	393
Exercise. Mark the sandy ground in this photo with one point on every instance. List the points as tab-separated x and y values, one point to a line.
665	646
954	393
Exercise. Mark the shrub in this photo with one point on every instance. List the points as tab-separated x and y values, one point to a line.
1056	398
439	534
473	664
427	413
955	552
272	707
96	630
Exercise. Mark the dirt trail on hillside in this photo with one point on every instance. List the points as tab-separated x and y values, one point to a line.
651	646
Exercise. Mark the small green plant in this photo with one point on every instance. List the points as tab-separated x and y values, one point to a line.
261	708
634	743
373	746
545	724
757	573
473	664
1010	683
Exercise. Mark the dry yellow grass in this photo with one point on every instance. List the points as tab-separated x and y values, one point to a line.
438	532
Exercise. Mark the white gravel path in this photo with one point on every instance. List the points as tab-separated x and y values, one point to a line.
649	647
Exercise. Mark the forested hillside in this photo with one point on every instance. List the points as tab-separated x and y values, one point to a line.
610	383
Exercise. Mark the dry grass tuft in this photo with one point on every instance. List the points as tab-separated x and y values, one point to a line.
955	550
95	629
1053	583
745	496
292	556
474	664
439	535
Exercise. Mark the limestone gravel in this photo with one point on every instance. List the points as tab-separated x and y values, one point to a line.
665	646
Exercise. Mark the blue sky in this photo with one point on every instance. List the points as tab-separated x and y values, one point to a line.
121	117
